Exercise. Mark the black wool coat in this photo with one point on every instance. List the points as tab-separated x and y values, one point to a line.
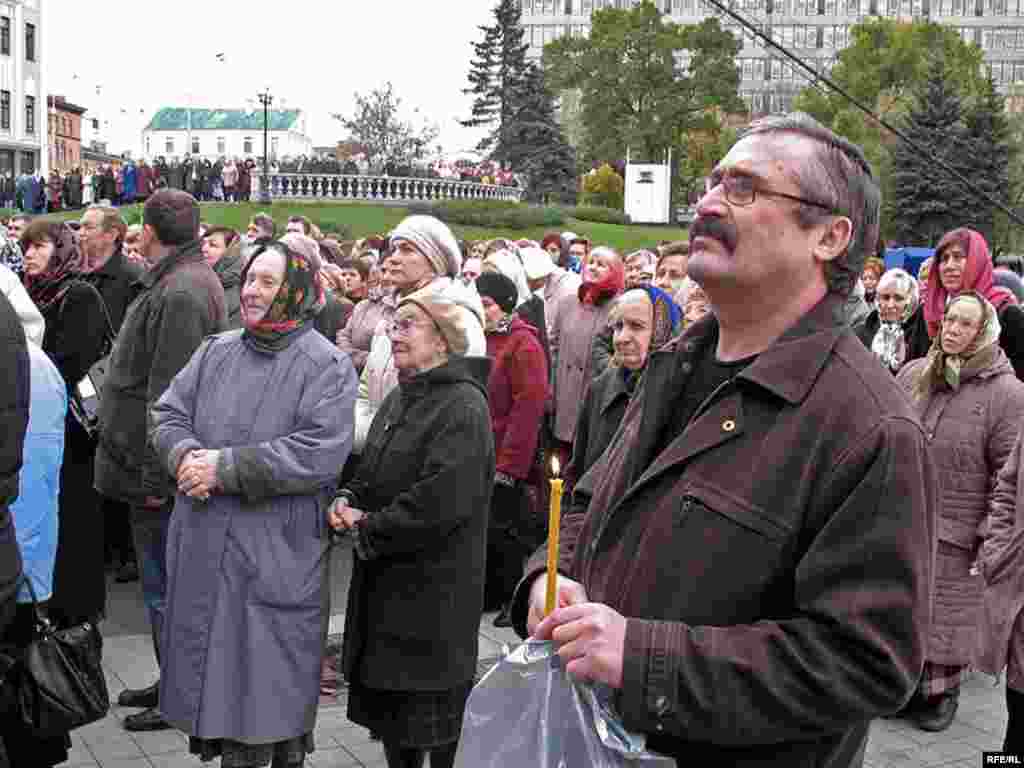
425	481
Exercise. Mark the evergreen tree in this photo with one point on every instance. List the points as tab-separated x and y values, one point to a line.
496	75
536	144
988	140
927	200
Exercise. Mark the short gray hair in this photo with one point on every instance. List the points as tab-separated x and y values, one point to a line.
838	176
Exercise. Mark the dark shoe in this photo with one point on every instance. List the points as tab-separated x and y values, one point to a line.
504	618
148	720
128	572
140	697
939	714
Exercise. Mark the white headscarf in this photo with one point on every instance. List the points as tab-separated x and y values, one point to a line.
508	263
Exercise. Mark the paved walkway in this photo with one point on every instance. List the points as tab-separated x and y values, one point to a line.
340	744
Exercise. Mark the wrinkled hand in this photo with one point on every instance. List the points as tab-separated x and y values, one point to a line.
197	474
591	640
567	592
342	517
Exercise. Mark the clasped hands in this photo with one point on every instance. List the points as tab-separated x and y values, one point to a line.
590	637
341	517
197	474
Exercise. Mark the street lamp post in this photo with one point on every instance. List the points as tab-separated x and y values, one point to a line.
266	100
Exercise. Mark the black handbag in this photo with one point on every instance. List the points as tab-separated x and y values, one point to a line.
58	677
84	397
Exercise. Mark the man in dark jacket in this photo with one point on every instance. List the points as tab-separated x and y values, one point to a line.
180	302
749	563
116	278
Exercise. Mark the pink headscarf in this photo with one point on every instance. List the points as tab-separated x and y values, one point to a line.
977	277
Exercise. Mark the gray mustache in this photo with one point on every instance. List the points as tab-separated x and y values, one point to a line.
715	228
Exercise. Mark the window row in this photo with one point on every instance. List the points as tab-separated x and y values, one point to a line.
63	125
811	36
752	69
5	39
760	102
5	112
63	154
170	146
1006	72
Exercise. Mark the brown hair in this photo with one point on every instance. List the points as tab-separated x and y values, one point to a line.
360	265
173	215
307	225
228	233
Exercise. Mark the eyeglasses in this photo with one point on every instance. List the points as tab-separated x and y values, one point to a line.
742	190
402	326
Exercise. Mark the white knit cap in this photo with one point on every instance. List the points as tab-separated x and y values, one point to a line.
434	240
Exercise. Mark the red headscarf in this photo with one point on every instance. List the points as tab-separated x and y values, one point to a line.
977	277
610	286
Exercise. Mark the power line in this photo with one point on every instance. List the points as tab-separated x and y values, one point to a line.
866	110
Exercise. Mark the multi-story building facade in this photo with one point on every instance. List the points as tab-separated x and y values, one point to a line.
220	133
815	30
22	92
65	133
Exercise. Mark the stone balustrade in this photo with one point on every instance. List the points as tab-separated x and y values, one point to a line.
326	186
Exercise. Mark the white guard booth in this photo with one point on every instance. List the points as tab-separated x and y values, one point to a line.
648	192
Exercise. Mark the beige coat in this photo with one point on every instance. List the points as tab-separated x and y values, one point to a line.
971	433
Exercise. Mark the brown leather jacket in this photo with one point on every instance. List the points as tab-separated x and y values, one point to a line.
773	562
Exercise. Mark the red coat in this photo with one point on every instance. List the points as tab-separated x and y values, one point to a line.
518	387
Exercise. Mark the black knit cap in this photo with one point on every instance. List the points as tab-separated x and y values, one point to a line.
499	288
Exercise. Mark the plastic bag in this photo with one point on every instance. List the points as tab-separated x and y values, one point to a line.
527	712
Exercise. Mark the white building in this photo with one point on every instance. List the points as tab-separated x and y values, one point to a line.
214	133
23	124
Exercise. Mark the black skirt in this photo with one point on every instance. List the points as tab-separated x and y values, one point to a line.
234	754
410	719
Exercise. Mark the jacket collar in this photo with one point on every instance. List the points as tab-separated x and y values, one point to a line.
185	254
615	389
113	266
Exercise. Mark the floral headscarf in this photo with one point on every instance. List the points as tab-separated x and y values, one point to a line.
952	370
65	265
890	342
977	277
299	300
667	323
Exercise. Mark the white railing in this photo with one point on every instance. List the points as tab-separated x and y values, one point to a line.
328	186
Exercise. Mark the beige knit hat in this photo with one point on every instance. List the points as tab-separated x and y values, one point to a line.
458	312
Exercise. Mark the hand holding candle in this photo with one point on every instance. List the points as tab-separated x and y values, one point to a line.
554	528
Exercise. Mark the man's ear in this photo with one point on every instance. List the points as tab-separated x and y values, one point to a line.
835	239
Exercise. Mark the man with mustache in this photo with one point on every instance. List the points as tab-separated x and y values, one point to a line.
748	564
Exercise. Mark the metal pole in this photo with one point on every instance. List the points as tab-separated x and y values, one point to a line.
265	99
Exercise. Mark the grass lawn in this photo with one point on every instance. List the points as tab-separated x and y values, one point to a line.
359	220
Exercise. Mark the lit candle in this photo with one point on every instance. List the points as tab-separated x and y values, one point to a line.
554	527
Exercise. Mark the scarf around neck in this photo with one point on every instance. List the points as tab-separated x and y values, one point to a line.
941	369
65	265
299	300
608	287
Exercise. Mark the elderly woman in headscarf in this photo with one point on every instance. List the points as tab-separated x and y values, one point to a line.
642	319
247	548
417	510
518	389
963	264
892	331
580	318
76	325
971	406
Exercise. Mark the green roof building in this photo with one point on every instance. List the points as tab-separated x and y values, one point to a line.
174	132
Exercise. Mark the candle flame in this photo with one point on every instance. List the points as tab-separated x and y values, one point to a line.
554	466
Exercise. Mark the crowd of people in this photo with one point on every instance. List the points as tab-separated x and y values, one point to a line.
793	476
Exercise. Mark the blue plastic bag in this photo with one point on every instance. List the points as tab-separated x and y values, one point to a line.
527	712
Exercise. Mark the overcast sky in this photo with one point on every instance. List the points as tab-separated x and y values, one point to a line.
312	53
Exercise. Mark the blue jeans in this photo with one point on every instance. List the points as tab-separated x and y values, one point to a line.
149	530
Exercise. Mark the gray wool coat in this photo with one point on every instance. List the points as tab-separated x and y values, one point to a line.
246	599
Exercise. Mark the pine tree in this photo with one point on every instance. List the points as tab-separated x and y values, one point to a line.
988	138
496	74
927	200
536	144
